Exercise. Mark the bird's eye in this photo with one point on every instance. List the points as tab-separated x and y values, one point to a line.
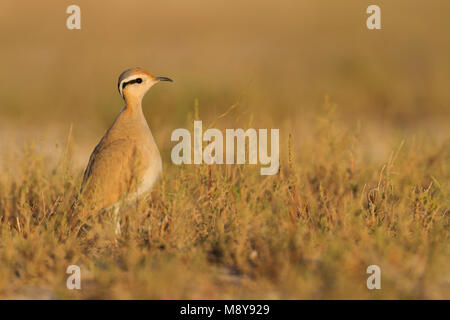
138	80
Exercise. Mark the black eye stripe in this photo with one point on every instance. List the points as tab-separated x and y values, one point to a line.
138	80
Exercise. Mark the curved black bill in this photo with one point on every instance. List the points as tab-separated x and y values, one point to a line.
163	79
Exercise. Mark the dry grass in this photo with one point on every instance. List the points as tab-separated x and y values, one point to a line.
364	175
227	232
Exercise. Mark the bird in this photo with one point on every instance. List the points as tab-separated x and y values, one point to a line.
126	162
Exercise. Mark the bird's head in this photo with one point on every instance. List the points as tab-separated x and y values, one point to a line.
135	83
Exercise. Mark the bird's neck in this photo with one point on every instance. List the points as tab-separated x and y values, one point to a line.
133	105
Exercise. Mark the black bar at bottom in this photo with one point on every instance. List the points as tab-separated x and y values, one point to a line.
226	309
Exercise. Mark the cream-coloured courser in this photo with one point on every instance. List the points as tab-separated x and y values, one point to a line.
126	162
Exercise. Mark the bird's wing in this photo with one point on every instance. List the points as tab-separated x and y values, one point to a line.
113	171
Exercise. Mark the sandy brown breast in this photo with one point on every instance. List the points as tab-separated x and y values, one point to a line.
125	163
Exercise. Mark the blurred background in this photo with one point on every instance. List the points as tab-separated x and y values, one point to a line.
277	60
